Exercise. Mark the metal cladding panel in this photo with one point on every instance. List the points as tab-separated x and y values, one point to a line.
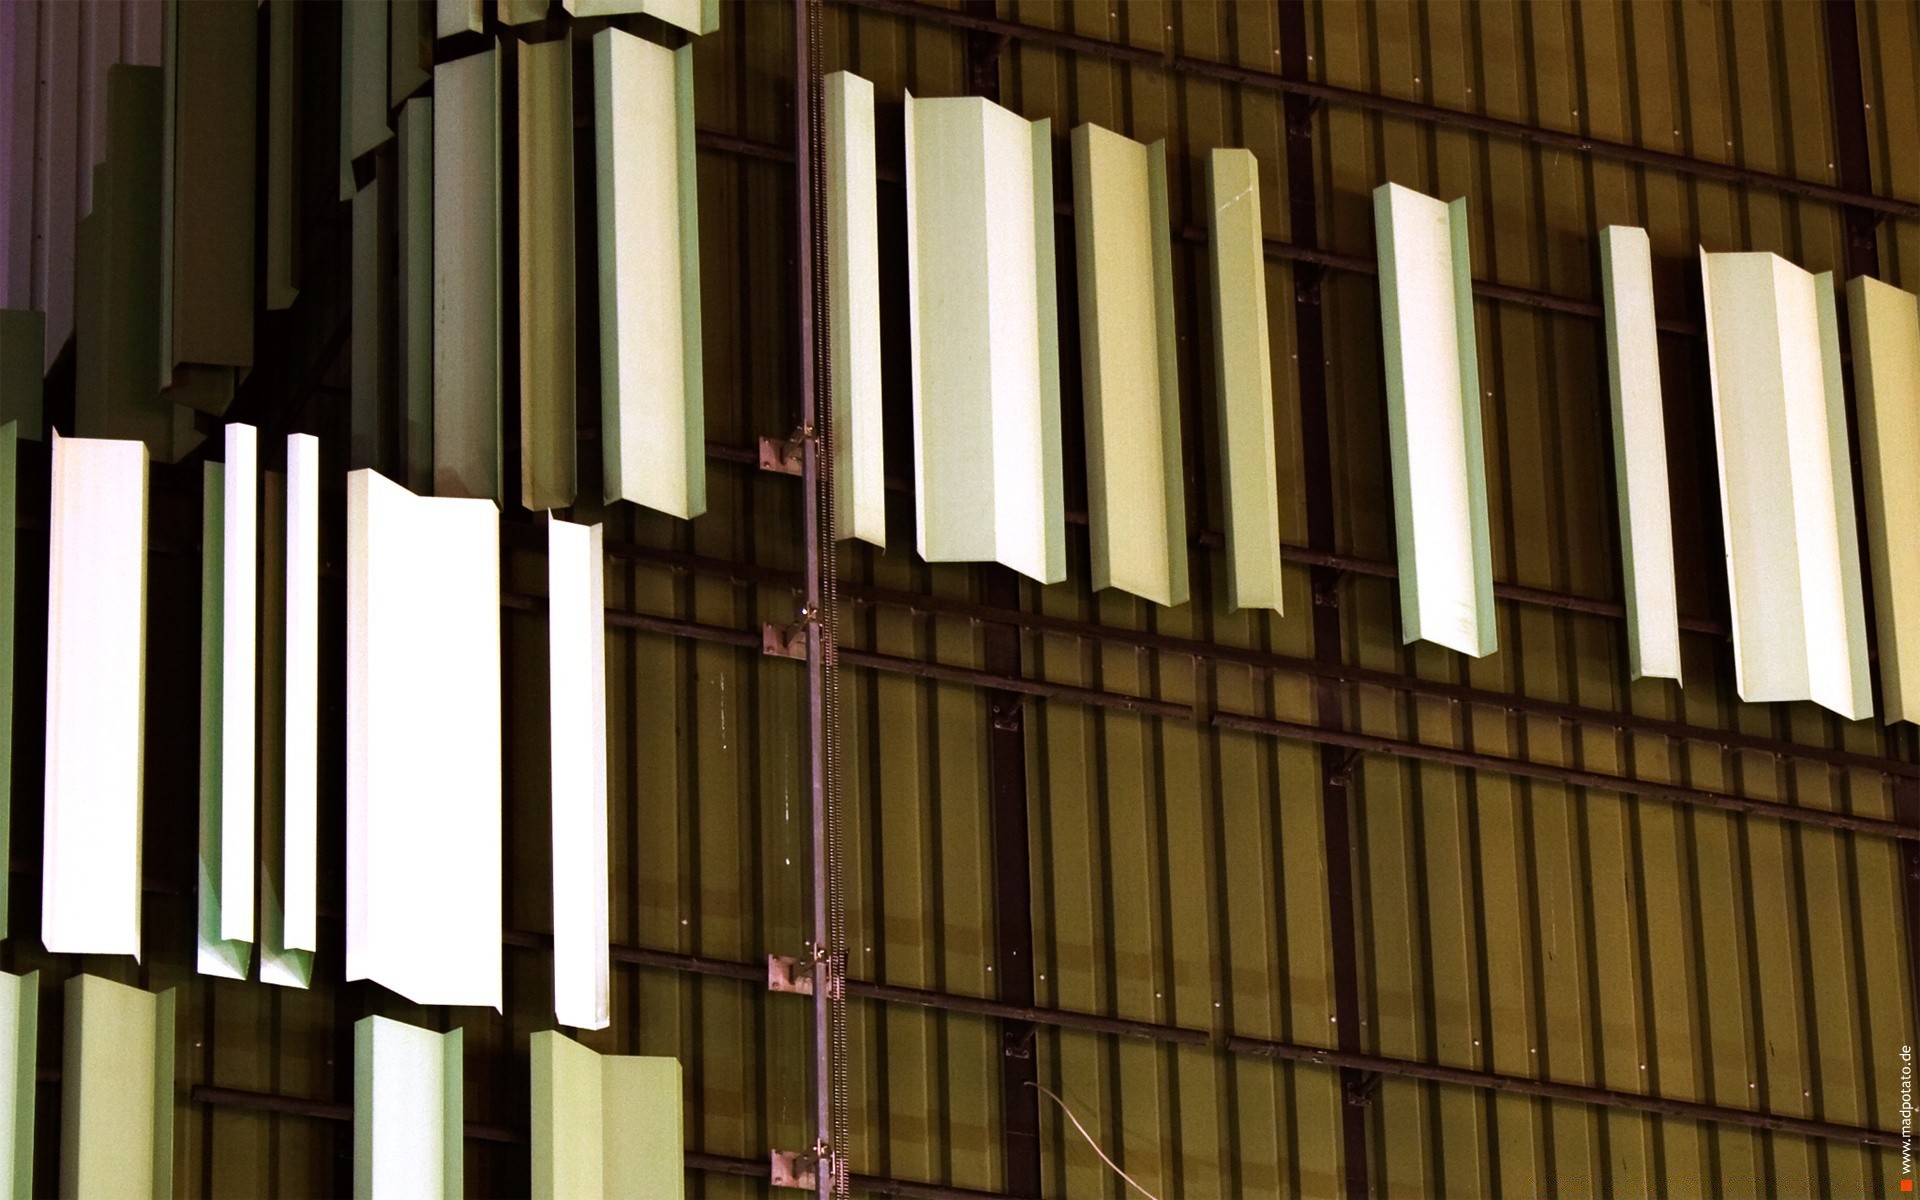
416	322
547	428
1640	454
853	318
605	1124
577	656
96	697
694	16
466	277
653	390
117	1091
19	1077
985	338
1886	375
1136	480
408	1111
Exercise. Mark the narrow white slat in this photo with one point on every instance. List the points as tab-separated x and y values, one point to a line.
1886	377
577	659
229	706
289	934
409	1111
853	288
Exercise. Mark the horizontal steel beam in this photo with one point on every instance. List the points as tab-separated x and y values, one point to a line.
1413	110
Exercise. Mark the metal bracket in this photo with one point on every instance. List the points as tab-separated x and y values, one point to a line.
784	641
1342	775
782	455
1361	1091
792	975
794	1169
1017	1041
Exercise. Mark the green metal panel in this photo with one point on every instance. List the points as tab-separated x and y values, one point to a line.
1243	367
466	277
694	16
410	42
604	1125
1136	482
652	379
453	17
363	85
370	442
122	401
207	201
19	1063
853	317
547	437
416	289
23	337
522	12
117	1091
409	1111
283	234
1886	370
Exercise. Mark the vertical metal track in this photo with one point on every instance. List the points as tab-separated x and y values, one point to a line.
1861	256
1328	697
1007	782
828	952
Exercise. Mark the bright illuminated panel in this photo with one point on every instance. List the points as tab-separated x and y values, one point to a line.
423	743
986	372
604	1125
1640	454
1136	493
1886	377
96	676
19	1073
116	1091
466	277
694	16
652	383
409	1111
1433	421
853	280
290	844
577	658
228	705
1786	486
1243	364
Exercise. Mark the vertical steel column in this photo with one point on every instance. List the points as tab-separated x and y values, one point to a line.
1861	256
826	954
1007	782
1329	703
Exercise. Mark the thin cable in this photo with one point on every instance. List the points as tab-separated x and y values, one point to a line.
1131	1182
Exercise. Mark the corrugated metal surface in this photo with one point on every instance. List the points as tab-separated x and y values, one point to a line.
1179	873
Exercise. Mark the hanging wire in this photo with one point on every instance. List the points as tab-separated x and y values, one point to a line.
1131	1182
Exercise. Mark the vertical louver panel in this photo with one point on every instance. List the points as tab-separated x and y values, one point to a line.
121	399
1640	454
1786	485
986	371
363	85
694	16
1243	370
410	42
416	289
466	277
409	1112
423	743
372	317
577	695
207	204
23	337
853	283
453	17
1136	485
96	675
116	1091
19	1073
228	709
9	571
652	389
1886	378
289	591
1433	420
547	438
604	1125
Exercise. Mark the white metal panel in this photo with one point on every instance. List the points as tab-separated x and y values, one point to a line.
1786	485
96	676
423	743
408	1111
853	279
1433	420
1886	373
652	412
577	661
287	957
1640	454
986	377
229	706
1136	483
